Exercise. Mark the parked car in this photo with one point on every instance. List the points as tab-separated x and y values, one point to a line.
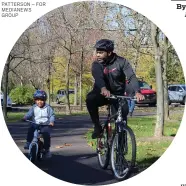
61	94
148	92
9	101
177	93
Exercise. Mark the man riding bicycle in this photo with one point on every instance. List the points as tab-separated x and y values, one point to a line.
109	72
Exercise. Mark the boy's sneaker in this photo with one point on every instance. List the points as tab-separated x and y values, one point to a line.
48	154
26	146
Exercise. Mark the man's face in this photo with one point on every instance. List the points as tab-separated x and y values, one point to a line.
40	103
102	55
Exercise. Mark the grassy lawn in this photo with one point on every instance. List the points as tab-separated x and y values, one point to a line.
17	116
149	149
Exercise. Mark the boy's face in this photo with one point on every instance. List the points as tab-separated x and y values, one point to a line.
40	103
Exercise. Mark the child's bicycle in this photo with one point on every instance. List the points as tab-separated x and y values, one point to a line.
118	146
36	148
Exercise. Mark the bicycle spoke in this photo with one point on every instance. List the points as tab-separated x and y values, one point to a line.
103	150
123	153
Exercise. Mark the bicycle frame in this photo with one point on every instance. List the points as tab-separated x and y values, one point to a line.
36	137
119	113
35	141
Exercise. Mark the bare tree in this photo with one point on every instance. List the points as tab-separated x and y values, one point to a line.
17	56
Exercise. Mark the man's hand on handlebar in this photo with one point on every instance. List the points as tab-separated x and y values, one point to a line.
139	96
105	92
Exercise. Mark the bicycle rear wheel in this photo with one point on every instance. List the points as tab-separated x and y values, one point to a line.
123	153
103	149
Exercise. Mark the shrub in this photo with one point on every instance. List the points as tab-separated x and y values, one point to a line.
22	95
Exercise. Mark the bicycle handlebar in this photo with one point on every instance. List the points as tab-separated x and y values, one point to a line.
40	124
121	97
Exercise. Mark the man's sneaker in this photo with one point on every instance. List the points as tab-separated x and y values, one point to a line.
97	131
48	154
26	146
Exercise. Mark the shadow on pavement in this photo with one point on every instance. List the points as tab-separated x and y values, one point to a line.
72	170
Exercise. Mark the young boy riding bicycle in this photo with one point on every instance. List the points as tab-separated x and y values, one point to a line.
40	112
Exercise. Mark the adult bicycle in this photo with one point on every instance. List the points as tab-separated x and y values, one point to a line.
119	145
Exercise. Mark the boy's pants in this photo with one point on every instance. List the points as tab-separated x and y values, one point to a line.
46	131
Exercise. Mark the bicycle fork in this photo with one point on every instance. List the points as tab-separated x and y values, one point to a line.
34	142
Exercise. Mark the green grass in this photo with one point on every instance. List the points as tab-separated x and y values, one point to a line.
149	149
142	127
17	116
148	152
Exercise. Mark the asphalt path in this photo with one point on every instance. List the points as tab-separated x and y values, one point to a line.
72	159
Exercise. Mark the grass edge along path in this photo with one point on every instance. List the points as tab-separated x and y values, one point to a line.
149	148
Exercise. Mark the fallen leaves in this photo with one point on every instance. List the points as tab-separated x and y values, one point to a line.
64	145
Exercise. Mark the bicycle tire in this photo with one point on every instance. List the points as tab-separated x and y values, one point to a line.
40	150
33	153
103	149
121	167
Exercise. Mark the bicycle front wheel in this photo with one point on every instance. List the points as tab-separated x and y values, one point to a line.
123	153
33	153
103	150
40	150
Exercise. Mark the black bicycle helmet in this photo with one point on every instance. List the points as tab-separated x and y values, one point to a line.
105	45
40	94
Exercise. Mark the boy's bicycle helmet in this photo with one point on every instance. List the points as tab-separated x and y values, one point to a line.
40	94
105	45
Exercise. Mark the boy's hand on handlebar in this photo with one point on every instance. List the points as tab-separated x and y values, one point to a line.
139	96
105	92
51	124
23	119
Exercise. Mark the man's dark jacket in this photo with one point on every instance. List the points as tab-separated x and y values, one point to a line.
112	74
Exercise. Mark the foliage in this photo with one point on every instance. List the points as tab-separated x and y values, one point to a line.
71	96
174	73
22	95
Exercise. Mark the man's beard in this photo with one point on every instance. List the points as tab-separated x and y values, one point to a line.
101	60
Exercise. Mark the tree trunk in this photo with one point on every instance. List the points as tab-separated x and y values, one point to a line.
80	85
5	87
68	111
75	91
159	82
49	81
165	59
136	60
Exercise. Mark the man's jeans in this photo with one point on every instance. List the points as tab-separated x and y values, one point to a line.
131	104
